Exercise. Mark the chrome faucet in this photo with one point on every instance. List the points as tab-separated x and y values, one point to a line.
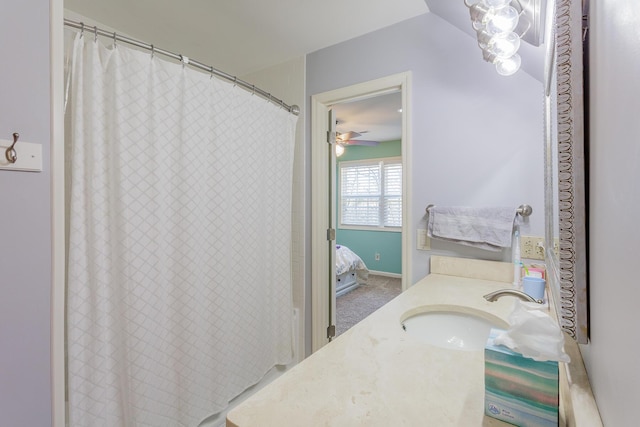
513	292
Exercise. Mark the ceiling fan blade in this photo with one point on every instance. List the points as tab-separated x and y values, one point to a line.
362	142
348	135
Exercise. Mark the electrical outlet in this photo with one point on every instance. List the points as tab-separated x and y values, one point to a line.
532	247
377	256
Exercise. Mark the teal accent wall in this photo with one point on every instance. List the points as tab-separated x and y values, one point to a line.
367	243
361	152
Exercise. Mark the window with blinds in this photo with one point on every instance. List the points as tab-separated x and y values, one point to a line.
370	193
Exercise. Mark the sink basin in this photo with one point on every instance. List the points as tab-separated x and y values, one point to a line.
451	329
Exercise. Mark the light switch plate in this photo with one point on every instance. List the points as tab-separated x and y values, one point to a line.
28	156
423	241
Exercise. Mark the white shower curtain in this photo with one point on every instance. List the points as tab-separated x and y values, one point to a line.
179	283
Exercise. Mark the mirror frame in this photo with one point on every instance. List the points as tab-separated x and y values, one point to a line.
567	264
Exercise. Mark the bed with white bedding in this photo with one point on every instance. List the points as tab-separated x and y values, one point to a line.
351	271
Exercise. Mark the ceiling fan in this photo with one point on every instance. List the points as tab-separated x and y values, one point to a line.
347	138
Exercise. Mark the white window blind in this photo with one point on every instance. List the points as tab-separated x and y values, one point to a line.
371	193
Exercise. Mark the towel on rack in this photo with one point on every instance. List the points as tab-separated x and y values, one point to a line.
485	228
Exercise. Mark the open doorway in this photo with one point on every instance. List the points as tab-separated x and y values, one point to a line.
368	202
323	204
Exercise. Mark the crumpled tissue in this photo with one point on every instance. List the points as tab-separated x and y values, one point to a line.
534	334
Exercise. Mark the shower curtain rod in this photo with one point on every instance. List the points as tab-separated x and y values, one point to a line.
293	109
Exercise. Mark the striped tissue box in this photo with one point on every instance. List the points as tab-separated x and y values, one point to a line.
519	390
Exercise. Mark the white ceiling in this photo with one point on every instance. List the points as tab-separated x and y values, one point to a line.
244	36
376	119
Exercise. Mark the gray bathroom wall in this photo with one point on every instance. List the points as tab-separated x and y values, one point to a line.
25	217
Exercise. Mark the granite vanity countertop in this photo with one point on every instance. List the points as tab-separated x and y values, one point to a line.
376	374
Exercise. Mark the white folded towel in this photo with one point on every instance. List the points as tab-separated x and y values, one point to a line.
485	228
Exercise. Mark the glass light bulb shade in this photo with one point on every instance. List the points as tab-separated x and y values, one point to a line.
478	13
478	25
504	45
508	66
504	20
483	39
497	4
339	150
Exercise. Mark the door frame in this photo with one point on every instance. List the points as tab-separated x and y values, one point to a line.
58	374
320	181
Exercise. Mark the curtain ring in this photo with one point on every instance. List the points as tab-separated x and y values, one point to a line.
235	81
184	60
153	51
95	33
114	40
211	73
81	29
253	90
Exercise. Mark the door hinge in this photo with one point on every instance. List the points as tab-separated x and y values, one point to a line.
331	138
331	331
331	234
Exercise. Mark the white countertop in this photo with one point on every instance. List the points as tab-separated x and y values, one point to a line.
376	374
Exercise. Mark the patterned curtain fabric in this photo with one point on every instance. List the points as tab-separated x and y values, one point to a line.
179	283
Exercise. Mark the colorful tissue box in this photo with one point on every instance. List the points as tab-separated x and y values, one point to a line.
519	390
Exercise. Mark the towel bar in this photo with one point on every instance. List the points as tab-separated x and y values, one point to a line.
523	210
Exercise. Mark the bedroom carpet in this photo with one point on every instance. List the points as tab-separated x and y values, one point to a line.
364	300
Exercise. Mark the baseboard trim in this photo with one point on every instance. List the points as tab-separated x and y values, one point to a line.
386	274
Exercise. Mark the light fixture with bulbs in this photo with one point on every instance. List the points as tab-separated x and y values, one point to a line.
501	24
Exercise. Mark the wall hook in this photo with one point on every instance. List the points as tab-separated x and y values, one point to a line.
11	154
